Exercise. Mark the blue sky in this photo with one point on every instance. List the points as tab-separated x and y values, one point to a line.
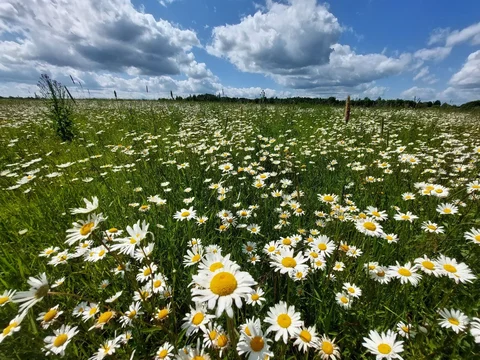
392	49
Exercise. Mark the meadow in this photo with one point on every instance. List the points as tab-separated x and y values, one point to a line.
226	231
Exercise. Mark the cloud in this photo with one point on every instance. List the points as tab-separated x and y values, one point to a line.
468	77
422	73
470	33
425	76
375	92
437	54
438	36
283	37
89	34
423	94
345	68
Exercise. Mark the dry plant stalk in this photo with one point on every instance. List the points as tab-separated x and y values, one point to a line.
347	109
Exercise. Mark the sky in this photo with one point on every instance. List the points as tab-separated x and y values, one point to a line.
423	49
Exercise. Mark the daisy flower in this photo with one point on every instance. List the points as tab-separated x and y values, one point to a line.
57	343
162	314
83	228
408	216
406	273
164	352
379	215
323	244
380	275
431	227
6	297
38	289
344	300
196	319
13	326
447	209
352	290
89	206
327	348
473	235
185	214
132	313
426	265
194	255
459	272
328	198
475	329
256	297
369	226
225	285
286	263
285	322
405	330
48	318
103	319
253	229
384	345
453	319
307	338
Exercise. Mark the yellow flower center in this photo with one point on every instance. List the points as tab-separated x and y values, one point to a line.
162	354
103	319
370	226
284	320
314	255
371	267
255	297
431	227
257	343
212	335
328	198
9	328
351	290
185	213
223	284
249	248
405	329
247	331
404	272
50	315
428	265
344	299
289	262
196	258
477	238
147	271
198	318
450	268
86	228
405	217
3	299
132	314
287	241
215	266
381	273
453	321
327	347
92	311
60	340
157	283
376	213
113	230
447	210
133	241
162	314
271	249
222	340
305	336
101	253
198	357
322	247
384	348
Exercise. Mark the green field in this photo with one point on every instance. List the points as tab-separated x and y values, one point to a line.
359	227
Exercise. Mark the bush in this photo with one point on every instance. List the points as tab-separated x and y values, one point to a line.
59	103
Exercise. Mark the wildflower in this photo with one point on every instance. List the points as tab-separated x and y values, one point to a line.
344	300
307	338
352	290
58	343
406	273
453	319
384	345
164	352
431	227
256	297
226	285
185	214
473	235
327	348
369	226
286	263
13	326
408	216
427	265
459	272
447	209
196	319
83	228
405	330
285	322
48	318
324	245
6	297
89	207
38	289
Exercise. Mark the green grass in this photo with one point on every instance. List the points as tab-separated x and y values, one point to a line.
162	135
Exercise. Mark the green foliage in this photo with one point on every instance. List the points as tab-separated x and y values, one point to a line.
59	104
